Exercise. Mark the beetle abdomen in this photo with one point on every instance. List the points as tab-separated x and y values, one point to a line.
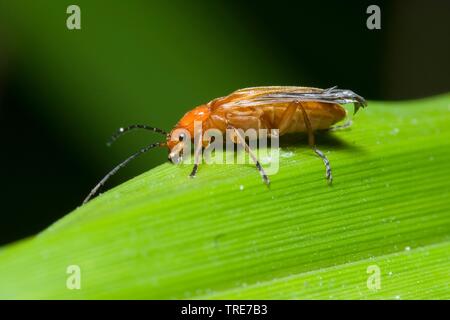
321	116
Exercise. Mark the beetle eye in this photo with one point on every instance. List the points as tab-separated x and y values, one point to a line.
181	137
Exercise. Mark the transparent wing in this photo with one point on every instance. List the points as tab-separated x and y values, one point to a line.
275	95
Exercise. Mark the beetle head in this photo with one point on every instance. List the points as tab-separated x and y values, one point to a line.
176	143
180	137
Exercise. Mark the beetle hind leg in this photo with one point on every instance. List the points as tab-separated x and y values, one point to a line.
312	144
326	162
347	124
338	127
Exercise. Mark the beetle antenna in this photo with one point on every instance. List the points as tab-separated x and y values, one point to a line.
123	130
120	166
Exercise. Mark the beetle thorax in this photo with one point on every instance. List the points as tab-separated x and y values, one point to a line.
187	122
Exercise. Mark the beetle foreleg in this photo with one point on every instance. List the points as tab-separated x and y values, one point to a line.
312	144
197	154
240	139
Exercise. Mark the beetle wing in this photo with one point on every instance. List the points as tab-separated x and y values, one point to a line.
261	96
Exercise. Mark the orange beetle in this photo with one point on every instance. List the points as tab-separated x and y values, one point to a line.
286	108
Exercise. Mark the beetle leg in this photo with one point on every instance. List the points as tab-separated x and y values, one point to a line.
312	144
197	154
286	118
326	163
240	139
345	125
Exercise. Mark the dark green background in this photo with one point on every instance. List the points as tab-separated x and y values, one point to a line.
64	92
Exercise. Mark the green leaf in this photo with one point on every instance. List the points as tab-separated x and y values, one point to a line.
226	235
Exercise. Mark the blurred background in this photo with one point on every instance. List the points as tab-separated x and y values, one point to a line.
63	92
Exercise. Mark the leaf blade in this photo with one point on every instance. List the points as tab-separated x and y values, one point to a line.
161	235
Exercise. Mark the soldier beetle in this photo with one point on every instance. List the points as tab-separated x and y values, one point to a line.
289	109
